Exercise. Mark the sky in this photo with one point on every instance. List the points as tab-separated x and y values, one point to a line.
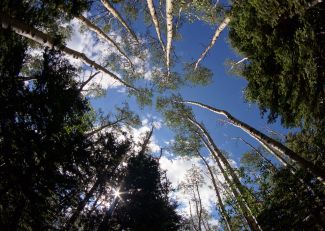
225	92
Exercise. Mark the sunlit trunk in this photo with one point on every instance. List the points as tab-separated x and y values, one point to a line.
216	35
169	21
45	40
216	189
234	182
272	145
117	15
103	36
155	21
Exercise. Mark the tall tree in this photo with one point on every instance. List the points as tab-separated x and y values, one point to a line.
144	198
285	71
117	15
45	40
272	145
169	21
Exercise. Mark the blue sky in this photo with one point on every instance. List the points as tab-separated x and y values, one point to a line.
225	92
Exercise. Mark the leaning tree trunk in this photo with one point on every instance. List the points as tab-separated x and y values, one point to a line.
236	190
155	22
235	182
271	166
265	140
45	40
169	20
103	36
220	203
81	205
217	33
117	15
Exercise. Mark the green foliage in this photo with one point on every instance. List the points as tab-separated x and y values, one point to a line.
199	76
284	42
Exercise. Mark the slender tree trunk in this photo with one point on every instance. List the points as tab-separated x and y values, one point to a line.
155	21
104	126
272	167
146	142
217	33
251	220
88	80
81	205
45	40
198	205
246	211
117	15
220	203
273	145
103	36
169	20
191	215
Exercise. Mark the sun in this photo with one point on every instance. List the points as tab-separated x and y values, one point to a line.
116	193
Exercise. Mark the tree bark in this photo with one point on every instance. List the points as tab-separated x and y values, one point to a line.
169	21
217	33
155	22
117	15
272	167
220	202
45	40
246	211
102	35
265	140
251	220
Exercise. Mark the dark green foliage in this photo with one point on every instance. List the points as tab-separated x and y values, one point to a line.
284	42
38	152
144	203
291	205
288	200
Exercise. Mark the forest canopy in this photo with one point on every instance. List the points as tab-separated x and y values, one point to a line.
109	108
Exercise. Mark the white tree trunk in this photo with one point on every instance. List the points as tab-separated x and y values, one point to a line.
103	36
117	15
246	211
239	190
272	145
169	20
45	40
155	22
216	189
217	33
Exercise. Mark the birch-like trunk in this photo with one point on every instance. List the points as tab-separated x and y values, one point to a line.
45	40
103	36
246	211
117	15
238	188
220	203
155	21
272	145
169	21
217	33
272	167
